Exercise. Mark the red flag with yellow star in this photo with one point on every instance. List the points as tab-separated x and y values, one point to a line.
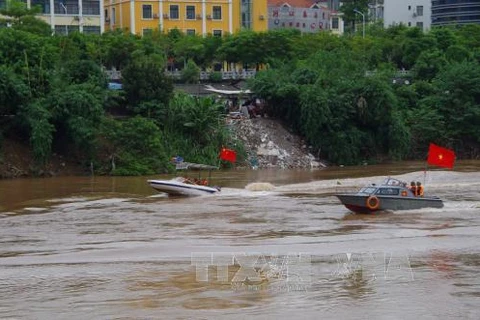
441	157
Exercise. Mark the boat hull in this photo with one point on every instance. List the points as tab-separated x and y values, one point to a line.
176	188
358	203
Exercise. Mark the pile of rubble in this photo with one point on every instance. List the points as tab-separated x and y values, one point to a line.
270	145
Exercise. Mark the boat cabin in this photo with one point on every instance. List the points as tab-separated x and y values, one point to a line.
389	187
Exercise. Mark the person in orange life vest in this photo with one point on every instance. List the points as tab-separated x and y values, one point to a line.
413	188
419	189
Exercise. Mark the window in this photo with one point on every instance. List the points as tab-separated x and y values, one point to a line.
113	16
217	13
72	29
147	11
174	12
335	23
91	29
190	13
409	8
61	30
91	7
420	25
66	7
147	32
217	33
43	4
368	190
190	32
388	191
419	11
68	29
409	24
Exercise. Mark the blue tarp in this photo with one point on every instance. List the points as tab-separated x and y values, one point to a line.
114	86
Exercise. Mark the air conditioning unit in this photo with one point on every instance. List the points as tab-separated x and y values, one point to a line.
76	18
414	14
199	16
262	17
165	16
107	20
155	16
209	16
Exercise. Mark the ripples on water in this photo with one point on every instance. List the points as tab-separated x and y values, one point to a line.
89	250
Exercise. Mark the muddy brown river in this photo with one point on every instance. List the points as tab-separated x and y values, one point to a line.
272	244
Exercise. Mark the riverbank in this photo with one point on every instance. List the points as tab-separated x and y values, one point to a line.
16	161
268	143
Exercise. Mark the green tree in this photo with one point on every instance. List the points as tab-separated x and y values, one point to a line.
212	45
118	47
191	73
189	47
13	91
428	64
243	47
457	99
458	53
196	128
18	16
148	90
131	147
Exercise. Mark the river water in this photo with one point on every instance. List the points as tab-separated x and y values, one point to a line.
112	248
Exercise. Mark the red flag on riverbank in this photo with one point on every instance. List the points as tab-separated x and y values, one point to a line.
228	155
441	157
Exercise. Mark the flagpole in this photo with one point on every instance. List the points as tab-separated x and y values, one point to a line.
220	157
425	174
425	171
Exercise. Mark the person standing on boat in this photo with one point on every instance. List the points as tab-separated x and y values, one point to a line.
413	188
419	189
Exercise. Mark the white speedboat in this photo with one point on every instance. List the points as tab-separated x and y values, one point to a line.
181	186
186	186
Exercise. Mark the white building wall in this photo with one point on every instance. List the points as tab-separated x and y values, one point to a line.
408	13
76	20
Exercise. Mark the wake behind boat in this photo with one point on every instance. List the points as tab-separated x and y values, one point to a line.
392	194
186	186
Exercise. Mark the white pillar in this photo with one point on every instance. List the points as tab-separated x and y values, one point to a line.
132	16
160	15
52	16
102	17
80	16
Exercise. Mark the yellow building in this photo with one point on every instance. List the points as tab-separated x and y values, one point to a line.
201	17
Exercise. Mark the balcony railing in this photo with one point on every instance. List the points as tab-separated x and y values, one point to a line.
204	75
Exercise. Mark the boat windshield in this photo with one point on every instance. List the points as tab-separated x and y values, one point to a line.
394	182
368	190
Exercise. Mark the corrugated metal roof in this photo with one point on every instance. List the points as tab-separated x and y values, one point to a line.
201	89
